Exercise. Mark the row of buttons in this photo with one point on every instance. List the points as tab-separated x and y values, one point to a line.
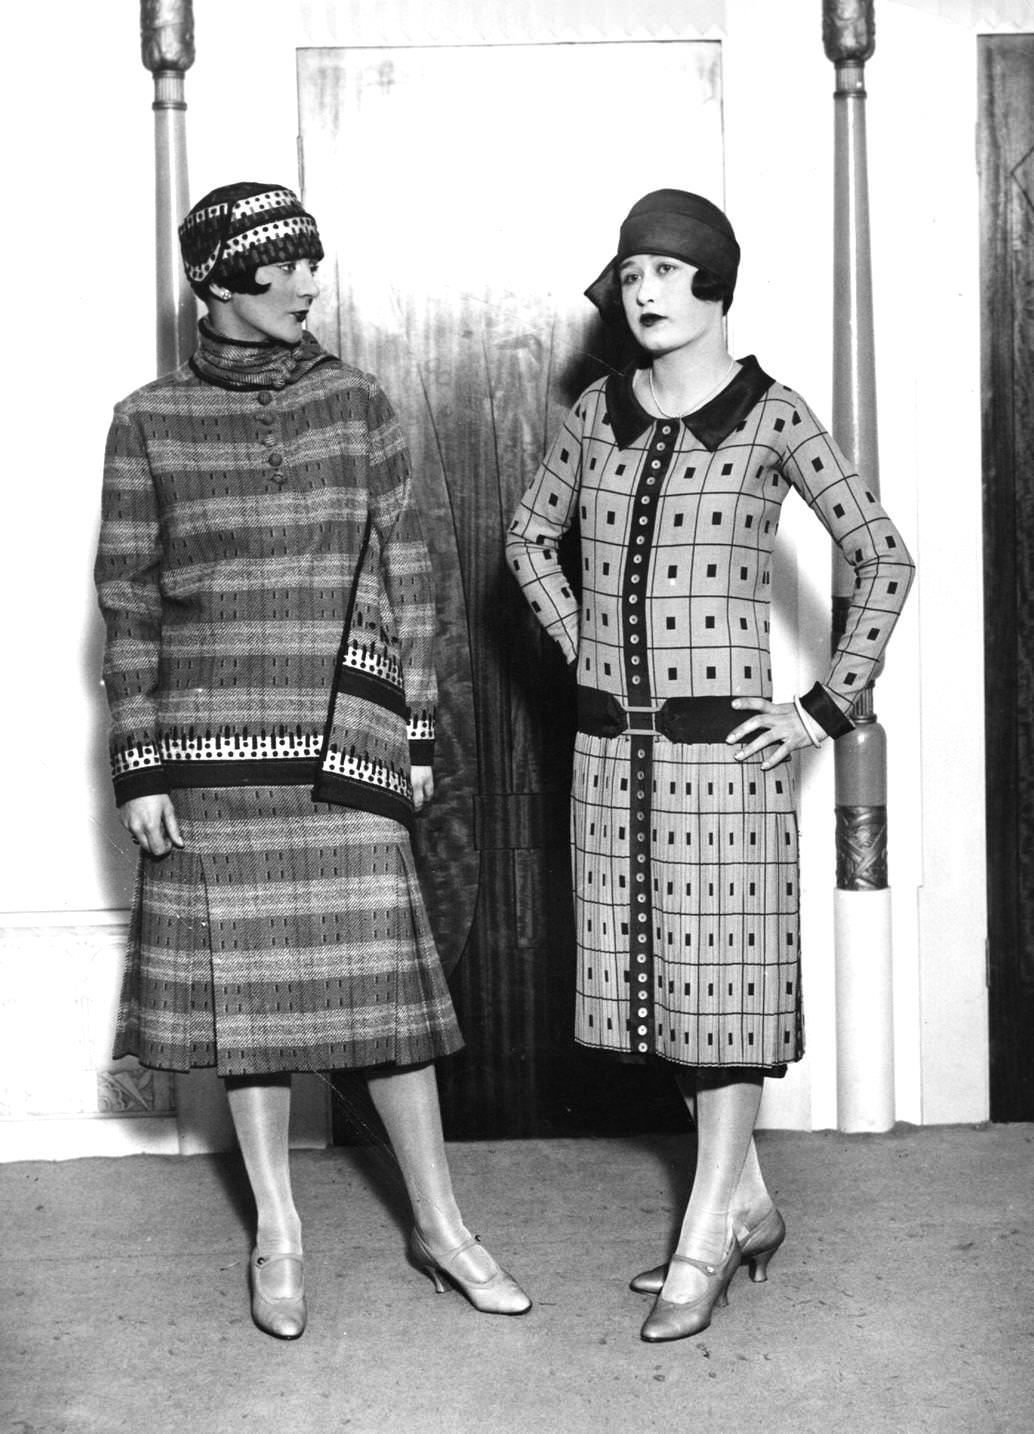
638	684
640	823
269	440
643	525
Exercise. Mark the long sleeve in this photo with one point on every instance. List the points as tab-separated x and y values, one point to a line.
127	579
870	543
545	513
406	570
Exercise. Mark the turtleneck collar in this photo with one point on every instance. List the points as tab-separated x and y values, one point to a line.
711	424
235	363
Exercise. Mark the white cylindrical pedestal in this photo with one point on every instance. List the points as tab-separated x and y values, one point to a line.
865	1011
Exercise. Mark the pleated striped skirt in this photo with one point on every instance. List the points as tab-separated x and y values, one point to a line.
686	894
286	936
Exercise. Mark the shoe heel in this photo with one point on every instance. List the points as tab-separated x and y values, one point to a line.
759	1266
440	1287
723	1299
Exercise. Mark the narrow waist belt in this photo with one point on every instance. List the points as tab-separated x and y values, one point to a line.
680	719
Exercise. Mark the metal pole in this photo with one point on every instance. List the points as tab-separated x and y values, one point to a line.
167	48
864	971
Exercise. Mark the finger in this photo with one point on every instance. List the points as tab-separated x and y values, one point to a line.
761	738
751	704
152	836
743	731
777	758
172	826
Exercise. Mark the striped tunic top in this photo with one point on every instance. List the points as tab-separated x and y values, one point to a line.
240	493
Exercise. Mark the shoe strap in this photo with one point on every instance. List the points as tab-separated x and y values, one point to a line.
704	1266
262	1261
701	1265
453	1254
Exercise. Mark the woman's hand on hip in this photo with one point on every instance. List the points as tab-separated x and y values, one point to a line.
422	779
151	822
776	725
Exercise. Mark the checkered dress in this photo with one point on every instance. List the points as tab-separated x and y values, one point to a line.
685	860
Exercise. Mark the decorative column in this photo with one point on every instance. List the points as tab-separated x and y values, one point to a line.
864	971
167	47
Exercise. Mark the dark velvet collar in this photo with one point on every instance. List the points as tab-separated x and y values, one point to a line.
711	424
235	363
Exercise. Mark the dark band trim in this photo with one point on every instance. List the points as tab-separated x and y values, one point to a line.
818	704
144	782
353	682
260	772
345	792
680	719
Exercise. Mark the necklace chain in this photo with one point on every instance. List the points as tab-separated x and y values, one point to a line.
699	403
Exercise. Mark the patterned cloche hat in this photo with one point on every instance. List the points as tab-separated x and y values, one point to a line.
237	228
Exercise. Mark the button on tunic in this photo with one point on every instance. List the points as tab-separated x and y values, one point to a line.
685	860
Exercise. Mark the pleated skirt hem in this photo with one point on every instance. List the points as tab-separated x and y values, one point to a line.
286	936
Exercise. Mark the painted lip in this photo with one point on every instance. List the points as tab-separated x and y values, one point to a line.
647	321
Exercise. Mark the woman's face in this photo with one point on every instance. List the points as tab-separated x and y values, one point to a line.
662	311
279	313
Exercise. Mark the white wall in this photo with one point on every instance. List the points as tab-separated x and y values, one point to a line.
80	267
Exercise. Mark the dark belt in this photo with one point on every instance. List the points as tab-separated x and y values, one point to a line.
680	719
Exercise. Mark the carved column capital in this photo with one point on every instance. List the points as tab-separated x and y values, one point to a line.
167	35
848	31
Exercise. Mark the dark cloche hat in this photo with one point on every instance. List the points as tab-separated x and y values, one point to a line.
674	222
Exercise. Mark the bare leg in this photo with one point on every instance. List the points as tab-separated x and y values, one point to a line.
725	1114
407	1103
261	1108
751	1200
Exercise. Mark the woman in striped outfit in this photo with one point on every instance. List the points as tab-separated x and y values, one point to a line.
269	670
683	823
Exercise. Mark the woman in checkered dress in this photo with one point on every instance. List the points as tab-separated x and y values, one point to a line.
683	821
269	669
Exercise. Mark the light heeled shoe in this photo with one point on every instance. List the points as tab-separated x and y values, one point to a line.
282	1316
498	1294
758	1245
678	1319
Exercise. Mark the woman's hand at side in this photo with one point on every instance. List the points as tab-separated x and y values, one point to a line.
151	821
776	725
422	779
